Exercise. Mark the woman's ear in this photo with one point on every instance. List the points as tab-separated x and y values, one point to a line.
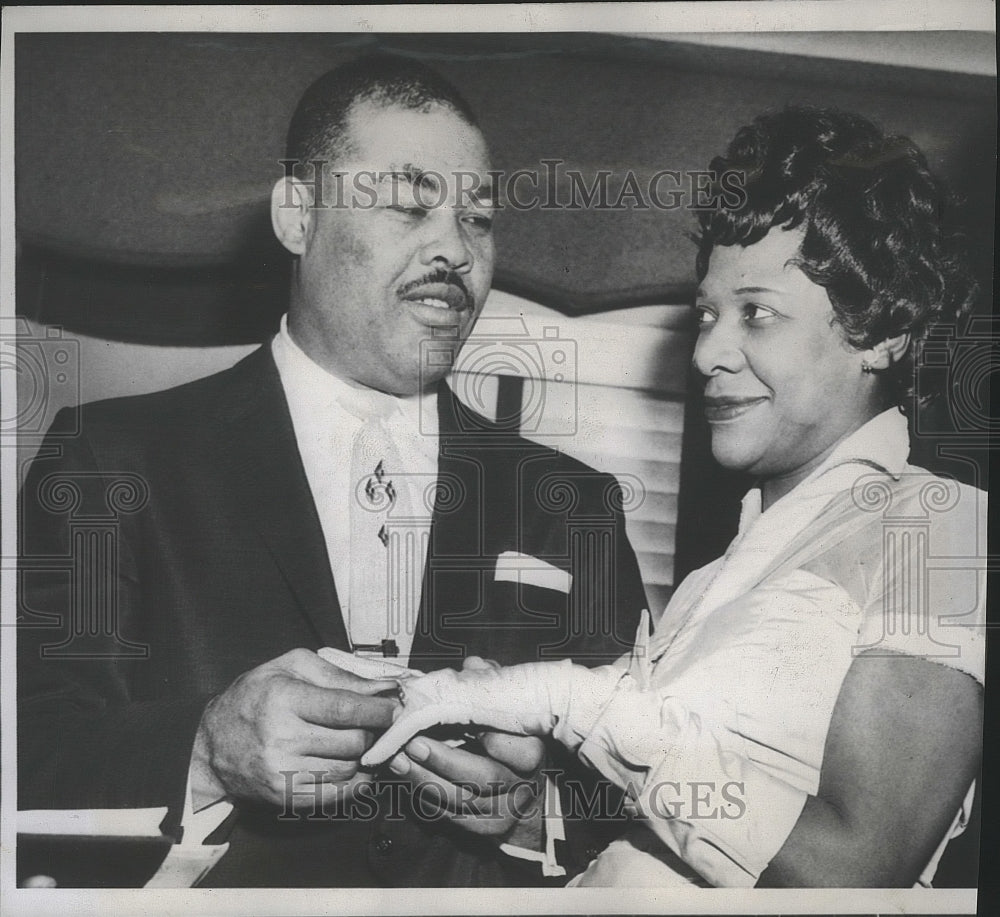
896	347
885	353
291	213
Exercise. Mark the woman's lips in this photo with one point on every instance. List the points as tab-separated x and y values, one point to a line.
719	410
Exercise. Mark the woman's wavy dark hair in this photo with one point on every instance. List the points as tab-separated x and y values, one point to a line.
871	210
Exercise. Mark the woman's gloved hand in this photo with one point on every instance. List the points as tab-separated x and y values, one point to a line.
528	699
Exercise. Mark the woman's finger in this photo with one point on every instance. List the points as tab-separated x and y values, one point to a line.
400	732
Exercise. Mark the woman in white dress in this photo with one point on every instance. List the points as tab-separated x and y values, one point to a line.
808	710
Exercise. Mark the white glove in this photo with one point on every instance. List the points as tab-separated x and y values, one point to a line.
530	699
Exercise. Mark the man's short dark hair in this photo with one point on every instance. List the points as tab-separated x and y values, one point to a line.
871	212
318	128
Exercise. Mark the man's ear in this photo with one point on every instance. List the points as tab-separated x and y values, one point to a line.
886	353
291	213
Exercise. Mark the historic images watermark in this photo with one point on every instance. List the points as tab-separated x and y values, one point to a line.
534	367
46	365
306	796
91	505
553	185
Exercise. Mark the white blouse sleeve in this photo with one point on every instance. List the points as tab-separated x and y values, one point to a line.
929	599
721	758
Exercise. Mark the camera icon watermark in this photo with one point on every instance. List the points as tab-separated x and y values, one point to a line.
542	365
46	366
958	363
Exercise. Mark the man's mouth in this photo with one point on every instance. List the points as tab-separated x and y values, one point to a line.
719	410
440	296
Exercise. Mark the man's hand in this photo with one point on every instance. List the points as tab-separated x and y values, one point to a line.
297	713
497	796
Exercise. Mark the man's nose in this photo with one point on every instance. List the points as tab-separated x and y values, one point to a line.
719	349
448	242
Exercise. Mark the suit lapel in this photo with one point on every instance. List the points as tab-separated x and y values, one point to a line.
267	470
461	553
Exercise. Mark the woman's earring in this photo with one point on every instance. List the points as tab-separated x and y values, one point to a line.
866	367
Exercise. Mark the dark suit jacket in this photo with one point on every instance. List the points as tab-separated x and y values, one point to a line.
173	544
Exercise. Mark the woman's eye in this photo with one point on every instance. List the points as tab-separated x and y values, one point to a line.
755	313
705	317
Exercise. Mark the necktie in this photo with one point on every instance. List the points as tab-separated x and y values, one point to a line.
372	615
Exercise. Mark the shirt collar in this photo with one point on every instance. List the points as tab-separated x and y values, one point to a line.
883	442
309	383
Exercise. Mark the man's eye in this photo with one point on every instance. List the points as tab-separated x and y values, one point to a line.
409	211
479	221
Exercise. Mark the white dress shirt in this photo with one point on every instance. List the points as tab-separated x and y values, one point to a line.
327	414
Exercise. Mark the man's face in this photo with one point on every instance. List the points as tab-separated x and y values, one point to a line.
402	251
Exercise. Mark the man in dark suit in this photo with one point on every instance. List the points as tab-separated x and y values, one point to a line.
205	554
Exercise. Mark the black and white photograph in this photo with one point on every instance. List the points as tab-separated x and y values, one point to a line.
519	459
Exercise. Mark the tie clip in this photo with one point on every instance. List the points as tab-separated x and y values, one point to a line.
387	648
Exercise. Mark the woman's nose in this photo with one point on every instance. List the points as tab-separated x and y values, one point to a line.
719	349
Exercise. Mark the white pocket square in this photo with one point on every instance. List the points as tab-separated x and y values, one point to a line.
513	567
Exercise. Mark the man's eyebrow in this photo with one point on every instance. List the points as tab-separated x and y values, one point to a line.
414	175
482	195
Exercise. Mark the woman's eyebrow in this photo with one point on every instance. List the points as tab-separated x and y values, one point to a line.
757	290
702	294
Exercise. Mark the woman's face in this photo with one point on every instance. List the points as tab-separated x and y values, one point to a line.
783	387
